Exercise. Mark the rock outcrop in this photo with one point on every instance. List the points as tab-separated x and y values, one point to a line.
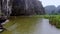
27	7
0	6
22	7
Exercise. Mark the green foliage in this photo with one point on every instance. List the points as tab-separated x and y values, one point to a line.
54	20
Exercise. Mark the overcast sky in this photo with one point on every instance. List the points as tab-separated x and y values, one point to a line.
50	2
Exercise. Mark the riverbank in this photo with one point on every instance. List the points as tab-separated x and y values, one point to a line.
22	24
53	19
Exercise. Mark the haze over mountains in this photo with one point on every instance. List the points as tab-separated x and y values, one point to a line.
51	9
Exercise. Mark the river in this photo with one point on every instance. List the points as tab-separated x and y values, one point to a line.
45	28
42	27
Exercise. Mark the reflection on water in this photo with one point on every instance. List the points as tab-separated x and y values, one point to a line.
45	28
28	26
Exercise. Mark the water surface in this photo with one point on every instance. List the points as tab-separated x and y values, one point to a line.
45	28
31	26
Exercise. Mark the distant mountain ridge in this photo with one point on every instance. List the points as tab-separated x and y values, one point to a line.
51	9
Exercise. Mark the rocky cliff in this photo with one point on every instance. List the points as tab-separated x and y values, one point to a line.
22	7
27	7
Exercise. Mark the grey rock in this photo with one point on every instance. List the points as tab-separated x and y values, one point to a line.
27	7
22	7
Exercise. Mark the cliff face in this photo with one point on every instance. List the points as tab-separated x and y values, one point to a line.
39	8
0	6
5	6
26	7
22	7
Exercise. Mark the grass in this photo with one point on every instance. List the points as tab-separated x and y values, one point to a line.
20	25
53	19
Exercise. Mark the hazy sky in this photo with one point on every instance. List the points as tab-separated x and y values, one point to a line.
50	2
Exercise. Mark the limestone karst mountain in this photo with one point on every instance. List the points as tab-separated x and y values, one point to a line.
50	9
22	7
58	10
27	7
0	7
